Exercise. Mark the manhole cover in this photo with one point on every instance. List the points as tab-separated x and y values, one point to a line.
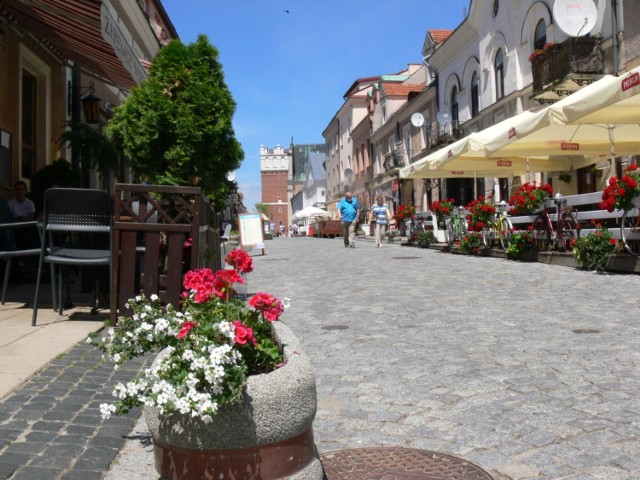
405	258
335	327
391	463
586	330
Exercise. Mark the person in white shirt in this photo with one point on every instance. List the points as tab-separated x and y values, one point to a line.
22	208
380	213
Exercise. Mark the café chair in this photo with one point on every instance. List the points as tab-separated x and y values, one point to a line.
76	231
8	248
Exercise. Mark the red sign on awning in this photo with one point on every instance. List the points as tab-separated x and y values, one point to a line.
630	82
569	146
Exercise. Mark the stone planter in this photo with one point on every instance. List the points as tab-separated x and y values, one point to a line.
266	435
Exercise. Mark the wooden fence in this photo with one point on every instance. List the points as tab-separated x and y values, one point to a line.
153	228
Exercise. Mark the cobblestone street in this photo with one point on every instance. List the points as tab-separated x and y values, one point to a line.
529	370
526	369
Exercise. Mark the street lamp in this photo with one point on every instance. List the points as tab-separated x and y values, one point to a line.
90	103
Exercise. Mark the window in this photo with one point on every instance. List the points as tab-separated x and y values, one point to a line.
496	7
454	106
475	95
540	35
499	68
29	117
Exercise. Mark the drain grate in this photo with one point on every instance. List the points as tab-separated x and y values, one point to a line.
586	330
335	327
393	463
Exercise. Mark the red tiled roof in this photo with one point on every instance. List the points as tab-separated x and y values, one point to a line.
401	90
439	35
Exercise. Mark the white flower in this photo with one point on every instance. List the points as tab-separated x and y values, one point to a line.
286	303
106	409
154	297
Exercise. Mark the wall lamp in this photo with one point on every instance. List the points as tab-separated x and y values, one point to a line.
90	103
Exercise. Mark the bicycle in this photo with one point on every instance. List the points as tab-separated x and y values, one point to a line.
456	225
415	227
545	235
498	227
630	230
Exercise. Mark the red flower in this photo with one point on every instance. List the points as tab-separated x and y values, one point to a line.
186	327
243	334
240	260
269	305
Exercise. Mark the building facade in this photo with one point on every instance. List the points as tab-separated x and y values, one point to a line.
275	172
54	54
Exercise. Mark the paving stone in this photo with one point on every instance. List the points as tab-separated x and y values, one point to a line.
31	473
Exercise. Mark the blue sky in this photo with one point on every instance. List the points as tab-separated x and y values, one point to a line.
288	71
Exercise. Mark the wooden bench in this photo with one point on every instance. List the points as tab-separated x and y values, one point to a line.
583	216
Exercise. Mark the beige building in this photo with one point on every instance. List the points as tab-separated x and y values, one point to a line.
53	56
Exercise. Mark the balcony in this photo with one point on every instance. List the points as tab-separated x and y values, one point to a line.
393	160
565	67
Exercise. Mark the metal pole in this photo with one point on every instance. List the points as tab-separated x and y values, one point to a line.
614	34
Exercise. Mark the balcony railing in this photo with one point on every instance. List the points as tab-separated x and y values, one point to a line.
392	160
578	57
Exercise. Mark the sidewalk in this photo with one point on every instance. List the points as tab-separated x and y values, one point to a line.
25	350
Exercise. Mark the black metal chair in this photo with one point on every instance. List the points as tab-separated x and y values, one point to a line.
8	248
77	230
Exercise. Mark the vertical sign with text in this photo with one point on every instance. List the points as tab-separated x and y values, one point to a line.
250	229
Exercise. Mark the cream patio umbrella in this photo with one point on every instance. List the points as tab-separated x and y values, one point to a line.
309	212
468	157
599	120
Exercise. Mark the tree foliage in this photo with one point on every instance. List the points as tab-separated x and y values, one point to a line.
93	148
262	208
176	127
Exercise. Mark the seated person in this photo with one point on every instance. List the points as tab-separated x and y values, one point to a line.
22	208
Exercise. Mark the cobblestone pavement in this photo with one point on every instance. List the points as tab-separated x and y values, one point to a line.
478	357
50	428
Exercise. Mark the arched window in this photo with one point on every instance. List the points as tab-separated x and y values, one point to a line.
496	7
499	69
540	35
475	95
454	107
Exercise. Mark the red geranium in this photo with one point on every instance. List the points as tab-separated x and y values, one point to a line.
186	327
404	212
442	208
481	212
529	196
240	260
621	191
243	334
269	305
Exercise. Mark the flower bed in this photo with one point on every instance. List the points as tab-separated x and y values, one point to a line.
594	250
481	212
529	197
620	192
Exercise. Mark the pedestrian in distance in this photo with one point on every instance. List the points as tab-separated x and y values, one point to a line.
380	214
348	209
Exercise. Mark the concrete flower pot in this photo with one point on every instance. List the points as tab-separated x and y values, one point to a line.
266	435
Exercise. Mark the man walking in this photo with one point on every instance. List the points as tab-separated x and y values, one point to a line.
348	209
